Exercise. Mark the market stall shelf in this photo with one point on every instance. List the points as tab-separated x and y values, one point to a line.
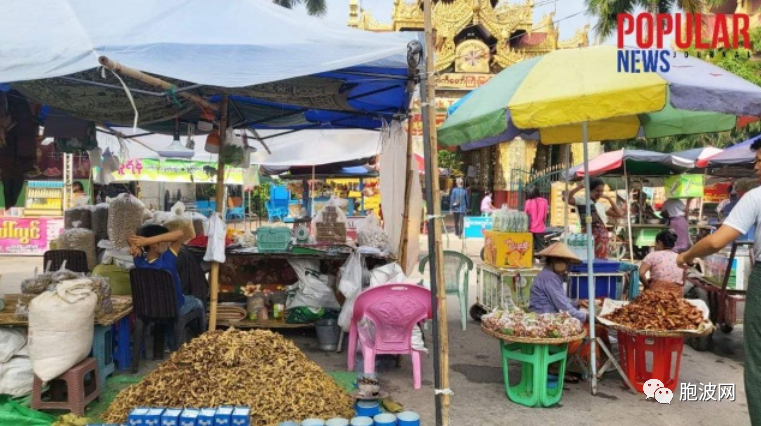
247	324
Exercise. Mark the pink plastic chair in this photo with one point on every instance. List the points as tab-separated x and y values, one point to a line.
394	309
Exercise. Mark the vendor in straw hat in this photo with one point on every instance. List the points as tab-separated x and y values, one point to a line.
547	294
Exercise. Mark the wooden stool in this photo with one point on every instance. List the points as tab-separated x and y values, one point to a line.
69	391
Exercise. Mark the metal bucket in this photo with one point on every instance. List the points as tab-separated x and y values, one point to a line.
328	334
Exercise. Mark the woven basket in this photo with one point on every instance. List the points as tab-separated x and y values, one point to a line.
535	340
659	333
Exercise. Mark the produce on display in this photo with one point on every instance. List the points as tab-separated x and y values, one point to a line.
125	215
257	368
657	310
78	214
518	323
372	235
100	221
79	239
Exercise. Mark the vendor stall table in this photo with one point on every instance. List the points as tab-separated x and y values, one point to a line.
244	324
106	325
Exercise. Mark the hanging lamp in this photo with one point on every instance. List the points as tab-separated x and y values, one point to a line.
176	149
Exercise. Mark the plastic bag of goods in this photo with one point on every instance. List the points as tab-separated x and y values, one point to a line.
79	239
159	217
181	221
78	214
125	215
102	288
61	328
37	284
22	306
330	222
200	223
234	151
100	221
372	235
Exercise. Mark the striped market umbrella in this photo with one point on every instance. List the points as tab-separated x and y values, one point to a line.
557	92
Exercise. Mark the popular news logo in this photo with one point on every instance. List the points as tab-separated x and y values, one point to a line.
688	30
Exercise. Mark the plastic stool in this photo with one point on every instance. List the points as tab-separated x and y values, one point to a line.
665	354
532	391
70	391
103	352
123	355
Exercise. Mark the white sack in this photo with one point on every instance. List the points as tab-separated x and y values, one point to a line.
16	377
312	288
12	341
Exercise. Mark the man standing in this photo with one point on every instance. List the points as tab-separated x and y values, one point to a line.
741	219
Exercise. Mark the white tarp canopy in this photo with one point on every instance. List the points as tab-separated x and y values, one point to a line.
254	41
303	148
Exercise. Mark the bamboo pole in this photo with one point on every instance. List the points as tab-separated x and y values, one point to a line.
407	193
433	200
218	199
153	81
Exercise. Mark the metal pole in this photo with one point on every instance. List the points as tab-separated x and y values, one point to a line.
567	163
435	254
219	199
590	260
629	216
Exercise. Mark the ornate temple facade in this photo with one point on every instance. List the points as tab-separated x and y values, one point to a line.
475	39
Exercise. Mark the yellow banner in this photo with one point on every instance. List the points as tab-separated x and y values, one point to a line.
178	171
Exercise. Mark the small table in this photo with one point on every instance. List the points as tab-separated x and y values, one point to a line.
105	324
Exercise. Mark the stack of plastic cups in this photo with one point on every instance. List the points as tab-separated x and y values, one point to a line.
408	418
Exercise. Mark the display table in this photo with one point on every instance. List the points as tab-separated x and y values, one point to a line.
106	326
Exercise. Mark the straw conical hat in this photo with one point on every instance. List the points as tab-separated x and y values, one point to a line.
559	250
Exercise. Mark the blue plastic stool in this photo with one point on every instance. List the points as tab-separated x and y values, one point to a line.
103	352
123	353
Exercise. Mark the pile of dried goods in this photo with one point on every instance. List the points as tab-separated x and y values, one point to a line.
516	322
257	368
658	311
100	221
125	215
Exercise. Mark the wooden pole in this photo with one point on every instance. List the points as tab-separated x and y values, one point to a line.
153	81
407	193
218	199
433	200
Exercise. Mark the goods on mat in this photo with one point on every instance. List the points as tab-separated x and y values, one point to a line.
516	322
79	214
656	310
61	326
257	368
100	221
125	215
178	220
79	239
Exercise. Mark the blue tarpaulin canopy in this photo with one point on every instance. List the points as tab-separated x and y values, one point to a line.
281	68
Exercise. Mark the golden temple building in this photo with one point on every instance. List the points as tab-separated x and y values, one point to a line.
475	39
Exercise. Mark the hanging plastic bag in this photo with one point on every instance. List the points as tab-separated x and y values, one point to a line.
350	286
372	235
178	220
330	222
250	177
234	151
215	250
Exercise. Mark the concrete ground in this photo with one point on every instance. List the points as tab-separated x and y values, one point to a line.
477	382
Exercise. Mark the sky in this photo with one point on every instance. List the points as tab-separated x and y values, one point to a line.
570	13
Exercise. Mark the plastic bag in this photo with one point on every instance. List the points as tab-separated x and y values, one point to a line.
79	239
181	221
215	249
80	214
100	221
234	152
250	178
125	215
350	286
312	289
372	235
330	222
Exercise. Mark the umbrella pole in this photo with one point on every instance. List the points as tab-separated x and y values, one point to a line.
590	261
435	254
567	163
218	199
628	215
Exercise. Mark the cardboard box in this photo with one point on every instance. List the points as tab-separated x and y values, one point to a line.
137	417
684	186
189	417
206	417
153	417
171	417
509	250
241	416
222	416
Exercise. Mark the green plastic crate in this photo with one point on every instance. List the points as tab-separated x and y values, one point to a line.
273	239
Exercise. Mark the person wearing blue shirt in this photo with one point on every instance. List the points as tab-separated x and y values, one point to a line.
155	247
459	201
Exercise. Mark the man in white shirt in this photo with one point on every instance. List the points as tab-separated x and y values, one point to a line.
743	217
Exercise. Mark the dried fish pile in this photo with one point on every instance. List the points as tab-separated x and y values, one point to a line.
656	310
257	368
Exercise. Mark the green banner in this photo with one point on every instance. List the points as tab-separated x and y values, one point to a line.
174	170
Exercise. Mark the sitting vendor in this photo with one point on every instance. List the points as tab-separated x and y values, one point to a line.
547	294
661	264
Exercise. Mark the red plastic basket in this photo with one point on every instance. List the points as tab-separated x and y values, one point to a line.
663	356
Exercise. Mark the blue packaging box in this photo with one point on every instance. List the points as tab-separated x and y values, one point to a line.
171	417
189	417
223	416
153	417
206	417
241	416
137	417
